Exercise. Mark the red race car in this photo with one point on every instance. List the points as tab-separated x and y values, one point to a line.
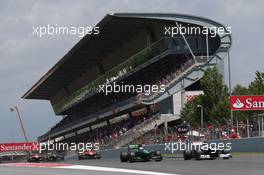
34	158
89	154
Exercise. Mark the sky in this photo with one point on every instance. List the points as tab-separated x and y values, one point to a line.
25	57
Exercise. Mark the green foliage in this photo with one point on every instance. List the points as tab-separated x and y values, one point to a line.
256	87
240	90
190	112
215	99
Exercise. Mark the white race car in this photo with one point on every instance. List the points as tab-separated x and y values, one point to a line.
200	153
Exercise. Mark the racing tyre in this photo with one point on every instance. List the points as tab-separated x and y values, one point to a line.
124	157
198	154
132	157
187	155
158	155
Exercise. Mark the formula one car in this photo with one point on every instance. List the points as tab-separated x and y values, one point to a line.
203	154
53	157
138	153
34	158
89	154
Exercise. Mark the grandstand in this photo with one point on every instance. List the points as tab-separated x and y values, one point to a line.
131	49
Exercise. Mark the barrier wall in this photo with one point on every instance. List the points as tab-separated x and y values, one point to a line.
238	145
255	144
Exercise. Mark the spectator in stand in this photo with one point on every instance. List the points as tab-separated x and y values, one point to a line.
162	74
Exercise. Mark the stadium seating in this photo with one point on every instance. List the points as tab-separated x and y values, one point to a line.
157	75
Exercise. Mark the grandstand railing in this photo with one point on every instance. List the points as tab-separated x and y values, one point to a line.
136	131
103	113
118	71
200	62
181	72
109	110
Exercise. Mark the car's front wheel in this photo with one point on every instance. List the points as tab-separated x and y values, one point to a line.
124	157
158	156
198	154
132	157
157	153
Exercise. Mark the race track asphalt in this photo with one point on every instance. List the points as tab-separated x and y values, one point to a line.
238	165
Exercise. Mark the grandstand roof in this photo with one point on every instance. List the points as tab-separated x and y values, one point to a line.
115	29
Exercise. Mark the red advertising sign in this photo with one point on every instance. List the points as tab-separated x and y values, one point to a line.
27	146
244	102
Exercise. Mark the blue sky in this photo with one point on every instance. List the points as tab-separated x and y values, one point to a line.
25	58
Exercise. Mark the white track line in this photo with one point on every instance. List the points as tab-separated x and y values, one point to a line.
107	169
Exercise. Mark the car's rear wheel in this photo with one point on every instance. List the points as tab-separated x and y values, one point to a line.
187	155
124	157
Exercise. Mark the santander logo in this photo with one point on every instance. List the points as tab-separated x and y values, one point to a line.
243	102
238	104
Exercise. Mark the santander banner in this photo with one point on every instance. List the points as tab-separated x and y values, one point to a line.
27	146
244	102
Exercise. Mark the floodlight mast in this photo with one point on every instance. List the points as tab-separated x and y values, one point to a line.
20	121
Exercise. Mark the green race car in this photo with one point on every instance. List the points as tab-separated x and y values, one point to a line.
54	156
138	153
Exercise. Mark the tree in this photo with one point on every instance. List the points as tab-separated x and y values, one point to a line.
256	87
240	90
190	112
215	100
